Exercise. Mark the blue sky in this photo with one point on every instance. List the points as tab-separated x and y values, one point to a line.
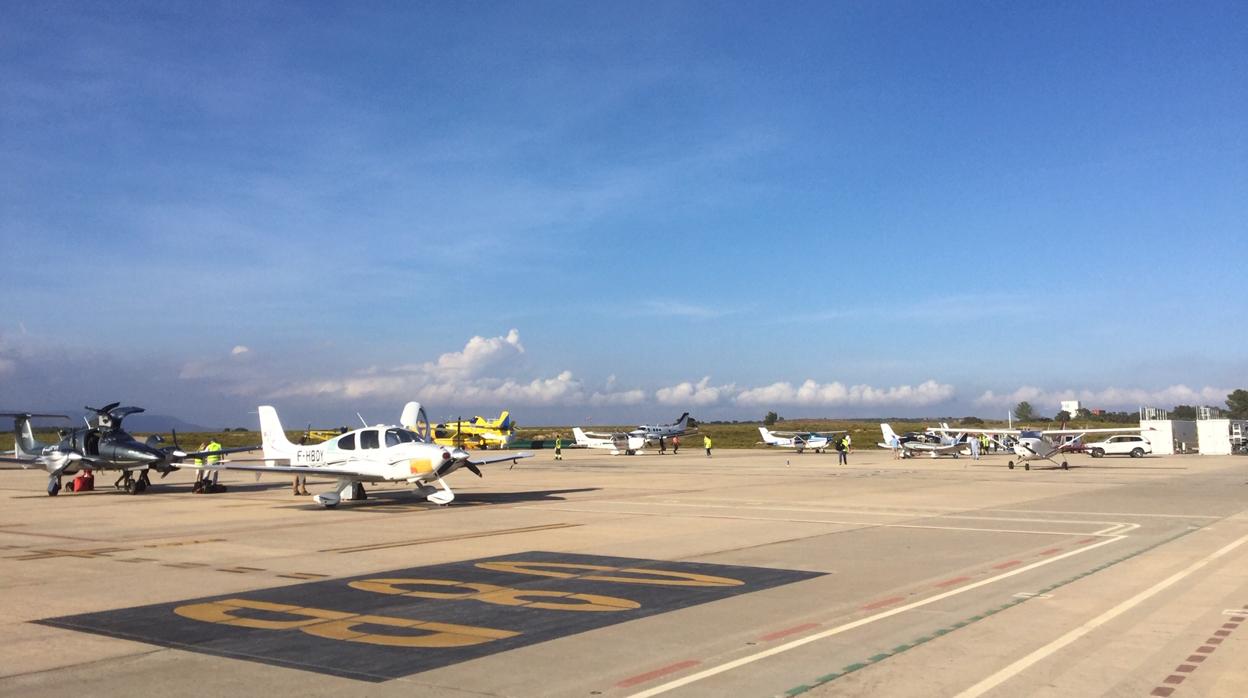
911	208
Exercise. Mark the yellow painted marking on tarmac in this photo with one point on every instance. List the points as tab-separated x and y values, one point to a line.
442	539
639	575
492	593
337	625
438	634
223	612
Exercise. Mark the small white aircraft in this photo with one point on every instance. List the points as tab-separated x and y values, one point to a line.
381	453
616	443
1034	444
653	432
817	441
911	444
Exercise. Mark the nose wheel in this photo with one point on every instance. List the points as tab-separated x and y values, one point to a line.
54	486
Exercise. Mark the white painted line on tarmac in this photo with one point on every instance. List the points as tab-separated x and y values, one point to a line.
779	649
1108	513
1017	667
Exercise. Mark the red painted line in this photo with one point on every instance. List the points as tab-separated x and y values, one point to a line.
651	675
1238	619
1198	658
1214	640
1162	691
1050	551
951	582
1221	633
1175	679
1205	649
789	631
1186	668
1086	540
1007	565
1230	626
883	602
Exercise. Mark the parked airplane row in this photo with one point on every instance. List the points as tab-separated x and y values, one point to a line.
632	442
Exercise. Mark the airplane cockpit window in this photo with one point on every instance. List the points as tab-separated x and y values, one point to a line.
395	437
347	443
370	439
1029	435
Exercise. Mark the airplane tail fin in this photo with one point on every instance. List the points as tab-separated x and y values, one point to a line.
581	438
767	437
276	445
888	432
414	418
504	421
24	441
683	421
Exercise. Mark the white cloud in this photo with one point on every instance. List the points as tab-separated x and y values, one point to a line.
480	353
837	394
239	349
1042	399
700	394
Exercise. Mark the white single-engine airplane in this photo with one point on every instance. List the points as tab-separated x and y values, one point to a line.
380	453
1034	444
942	445
653	432
616	443
817	441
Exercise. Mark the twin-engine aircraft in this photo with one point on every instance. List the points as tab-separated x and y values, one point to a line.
617	443
379	453
932	444
653	432
817	441
1032	444
101	445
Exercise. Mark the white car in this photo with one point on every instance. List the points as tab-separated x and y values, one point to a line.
1132	445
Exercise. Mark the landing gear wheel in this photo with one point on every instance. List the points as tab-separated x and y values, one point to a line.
1011	464
1026	466
54	486
1065	466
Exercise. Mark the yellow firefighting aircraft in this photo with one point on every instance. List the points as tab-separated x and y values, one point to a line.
477	432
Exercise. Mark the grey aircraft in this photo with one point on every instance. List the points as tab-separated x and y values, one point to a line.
101	445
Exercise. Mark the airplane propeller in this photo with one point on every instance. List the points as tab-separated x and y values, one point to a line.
462	456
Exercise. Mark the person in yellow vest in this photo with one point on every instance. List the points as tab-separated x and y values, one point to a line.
211	477
706	443
558	448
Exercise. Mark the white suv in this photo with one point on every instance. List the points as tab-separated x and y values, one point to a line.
1122	445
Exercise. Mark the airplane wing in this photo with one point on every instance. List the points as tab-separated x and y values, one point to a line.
220	452
288	469
1067	432
500	458
990	432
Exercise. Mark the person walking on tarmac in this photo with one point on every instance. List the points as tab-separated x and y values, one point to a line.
558	448
675	445
706	443
662	446
842	450
215	475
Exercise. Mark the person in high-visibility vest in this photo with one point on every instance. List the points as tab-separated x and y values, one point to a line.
706	443
558	448
214	475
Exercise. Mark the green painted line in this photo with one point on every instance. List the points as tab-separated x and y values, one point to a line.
961	624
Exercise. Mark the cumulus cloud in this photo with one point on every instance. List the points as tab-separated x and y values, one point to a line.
1106	398
837	394
700	394
479	353
239	350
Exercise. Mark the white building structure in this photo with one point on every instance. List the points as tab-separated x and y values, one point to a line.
1220	437
1169	436
1071	407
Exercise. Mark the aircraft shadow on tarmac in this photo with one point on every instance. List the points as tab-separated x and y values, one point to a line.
403	500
